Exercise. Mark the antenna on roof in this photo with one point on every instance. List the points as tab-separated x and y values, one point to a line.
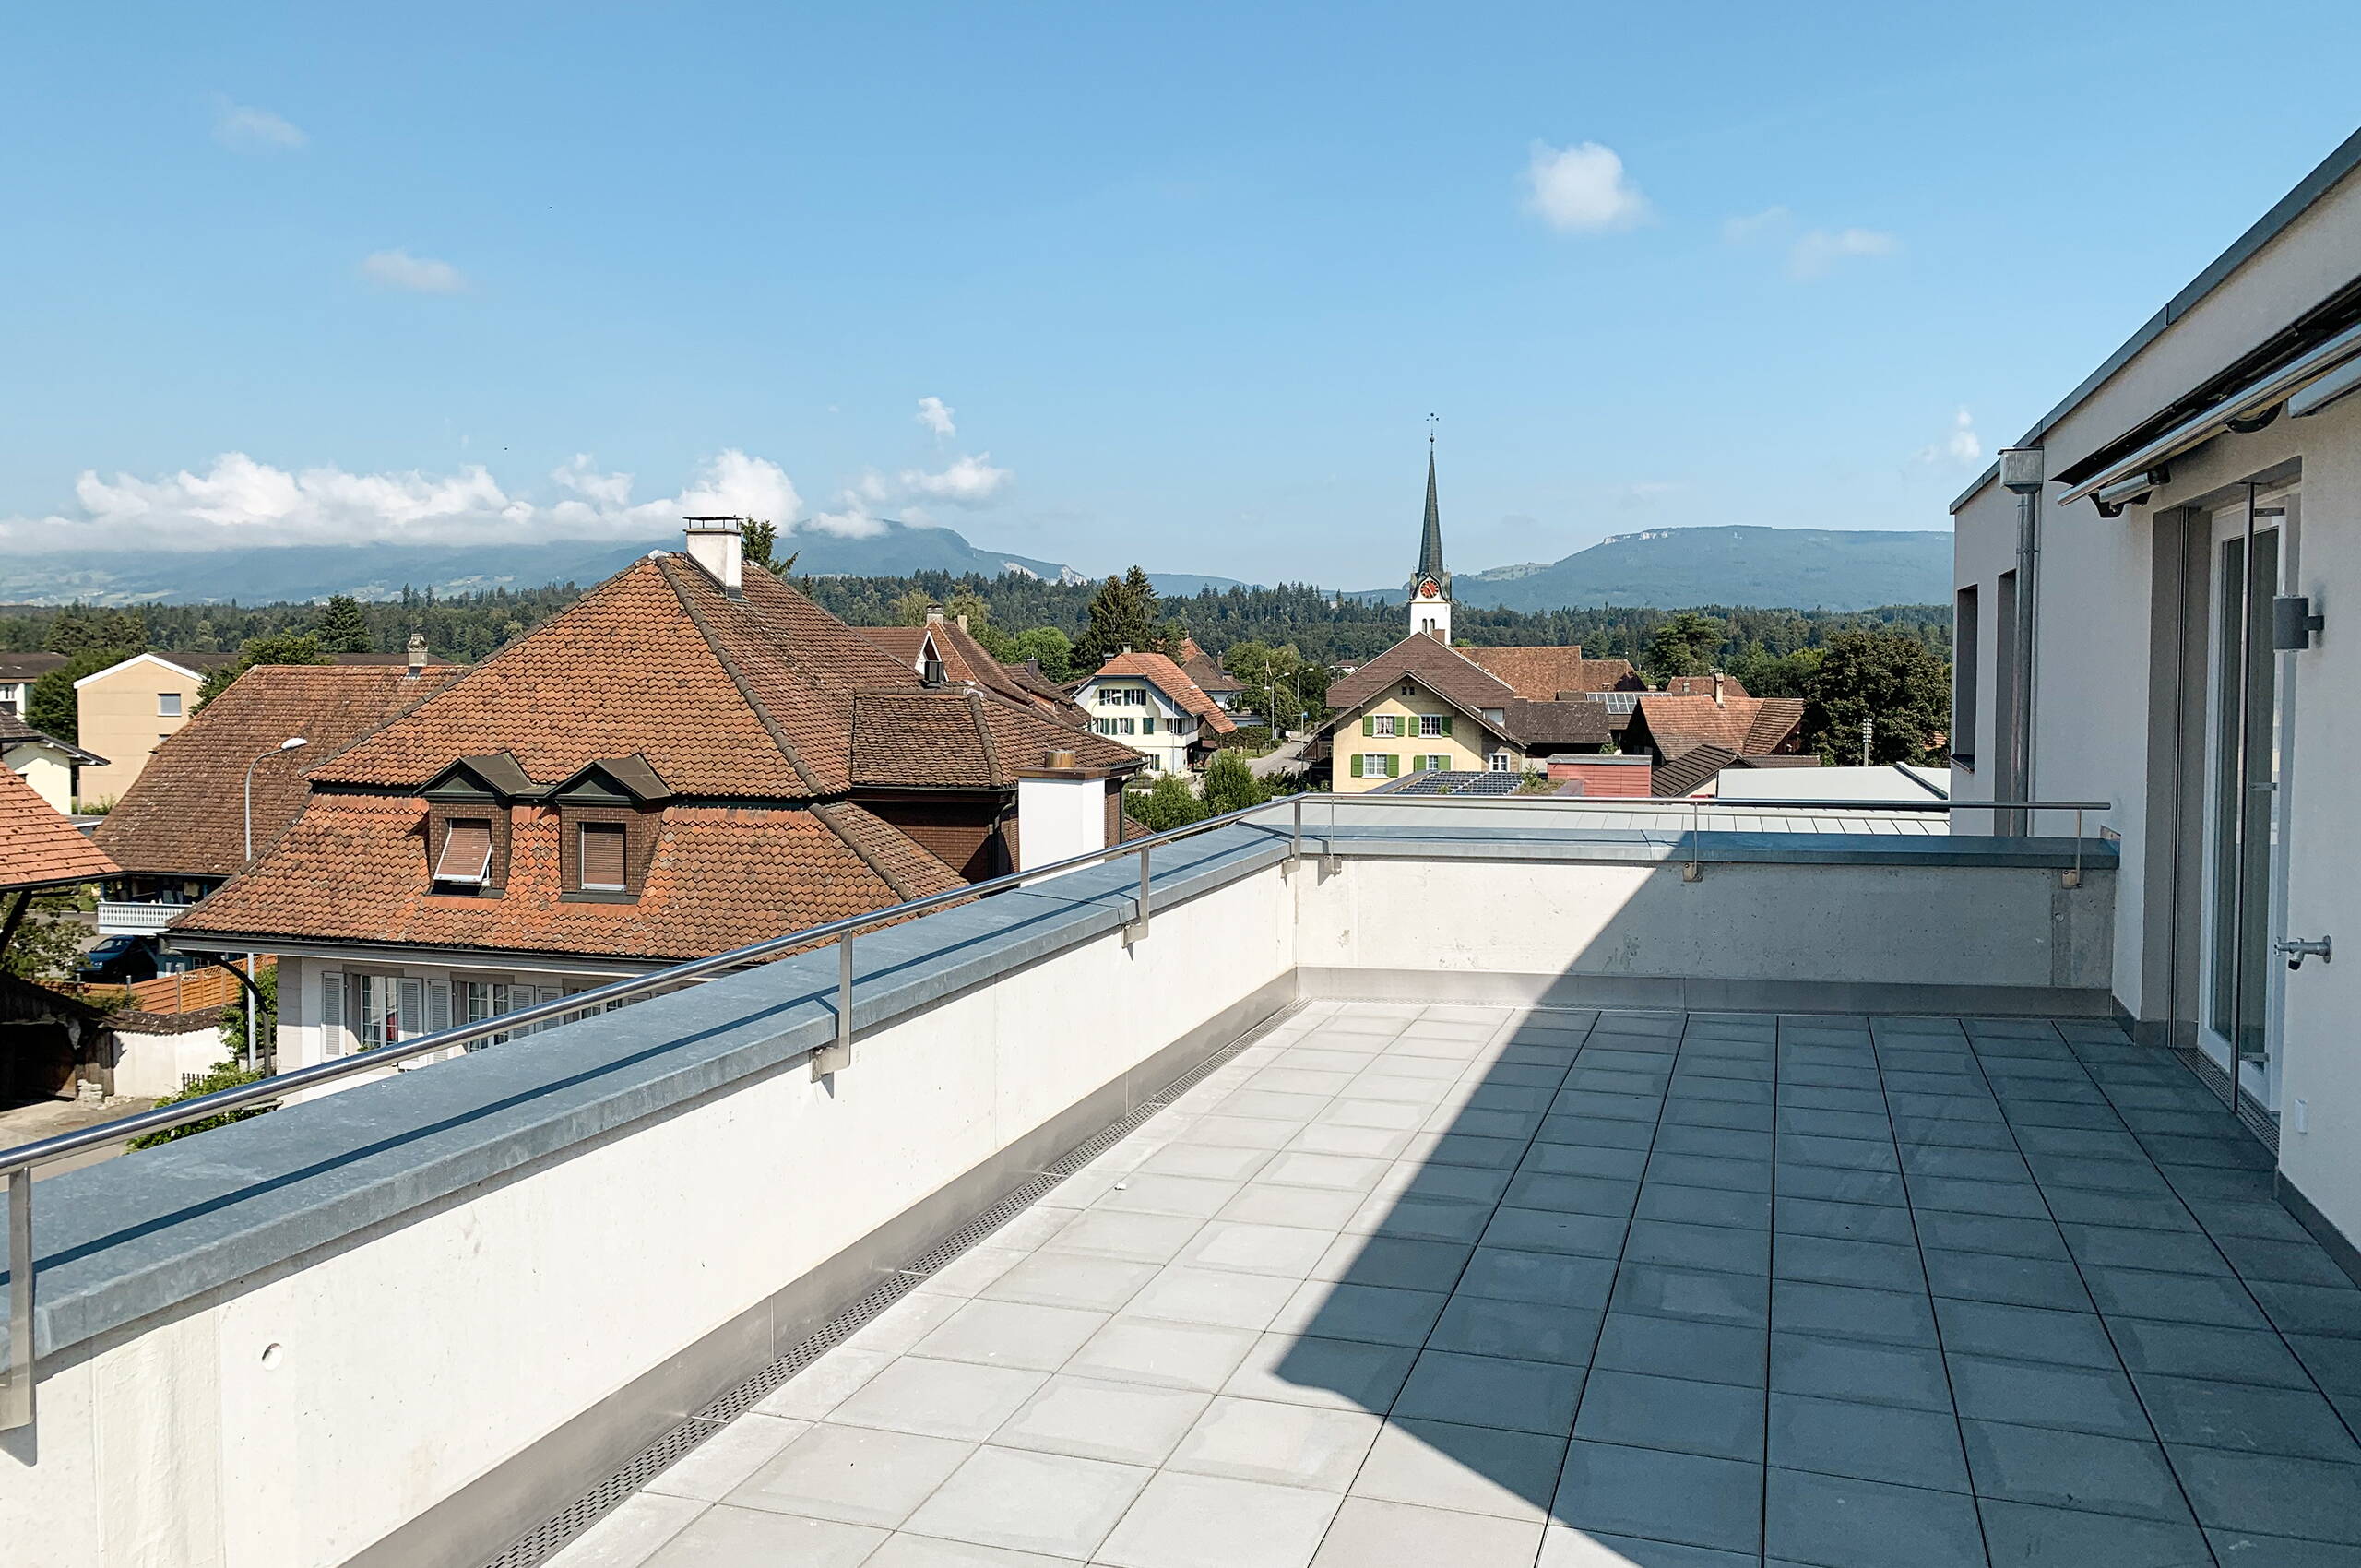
1430	432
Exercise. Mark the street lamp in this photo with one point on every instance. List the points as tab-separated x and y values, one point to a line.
292	742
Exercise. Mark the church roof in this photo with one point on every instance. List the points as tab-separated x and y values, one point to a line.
1430	539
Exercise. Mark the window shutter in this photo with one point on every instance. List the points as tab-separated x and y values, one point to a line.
412	1019
1446	724
332	1015
1368	724
1392	765
600	863
467	851
438	1006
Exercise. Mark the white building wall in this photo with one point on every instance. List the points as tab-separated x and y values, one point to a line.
1176	727
47	772
2093	721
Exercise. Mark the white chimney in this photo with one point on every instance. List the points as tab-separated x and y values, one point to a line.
934	615
1718	689
1061	809
416	650
715	544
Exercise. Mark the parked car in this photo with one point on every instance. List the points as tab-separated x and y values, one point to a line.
120	960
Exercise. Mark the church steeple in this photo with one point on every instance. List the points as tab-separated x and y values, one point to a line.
1431	585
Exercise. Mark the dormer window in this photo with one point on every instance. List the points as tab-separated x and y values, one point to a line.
601	855
466	857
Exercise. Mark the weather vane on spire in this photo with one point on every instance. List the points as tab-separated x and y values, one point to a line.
1430	430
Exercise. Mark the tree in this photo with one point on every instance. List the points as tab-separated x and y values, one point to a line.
1122	615
910	609
50	707
48	939
1766	674
1164	805
1277	682
80	629
1047	646
1230	784
341	628
1893	681
286	647
757	541
1686	645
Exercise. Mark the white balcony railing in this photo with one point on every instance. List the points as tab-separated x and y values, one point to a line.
134	919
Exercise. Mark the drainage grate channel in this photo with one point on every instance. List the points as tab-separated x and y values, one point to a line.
2250	1113
547	1539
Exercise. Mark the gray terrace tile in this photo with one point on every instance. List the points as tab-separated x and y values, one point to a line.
1405	1284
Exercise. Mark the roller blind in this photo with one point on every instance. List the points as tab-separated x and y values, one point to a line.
332	1015
602	857
467	851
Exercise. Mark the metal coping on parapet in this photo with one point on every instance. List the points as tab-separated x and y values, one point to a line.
552	1534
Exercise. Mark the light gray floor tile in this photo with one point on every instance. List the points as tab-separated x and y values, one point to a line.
717	1467
1144	1192
629	1536
1842	1523
1334	1172
1527	1330
1011	1333
1191	1521
1404	1262
900	1326
1091	1419
1333	1310
1876	1442
1315	1208
1337	1373
743	1537
1165	1354
1222	1297
956	1399
1657	1495
1086	1280
822	1386
1564	1547
1212	1161
1029	1501
1720	1419
854	1474
907	1550
1257	1249
1258	1439
1537	1396
1145	1238
1471	1469
971	1271
1369	1532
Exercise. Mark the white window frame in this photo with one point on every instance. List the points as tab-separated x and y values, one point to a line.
1384	726
1430	726
171	705
1500	761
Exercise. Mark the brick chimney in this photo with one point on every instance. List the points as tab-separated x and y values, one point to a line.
715	545
416	652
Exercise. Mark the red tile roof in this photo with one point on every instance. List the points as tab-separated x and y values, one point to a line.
965	661
1204	668
1539	674
37	846
746	697
1441	668
352	869
1167	677
1702	687
185	815
964	736
1737	724
1454	677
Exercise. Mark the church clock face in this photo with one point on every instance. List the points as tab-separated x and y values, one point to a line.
1427	589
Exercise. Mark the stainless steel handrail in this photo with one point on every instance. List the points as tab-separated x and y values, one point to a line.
18	1164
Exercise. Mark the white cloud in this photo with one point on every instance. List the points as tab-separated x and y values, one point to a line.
935	415
1752	226
1961	447
1581	189
1822	249
238	503
243	128
970	480
413	273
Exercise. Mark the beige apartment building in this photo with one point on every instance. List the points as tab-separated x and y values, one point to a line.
126	711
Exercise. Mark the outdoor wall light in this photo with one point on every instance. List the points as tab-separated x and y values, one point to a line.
2293	623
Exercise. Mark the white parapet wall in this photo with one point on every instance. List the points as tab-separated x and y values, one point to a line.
395	1326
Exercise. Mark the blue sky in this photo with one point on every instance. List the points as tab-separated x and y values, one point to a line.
1187	280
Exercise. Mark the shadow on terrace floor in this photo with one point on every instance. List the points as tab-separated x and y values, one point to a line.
1712	1290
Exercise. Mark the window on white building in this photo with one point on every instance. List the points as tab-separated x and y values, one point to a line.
168	704
1376	765
1432	724
1382	724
